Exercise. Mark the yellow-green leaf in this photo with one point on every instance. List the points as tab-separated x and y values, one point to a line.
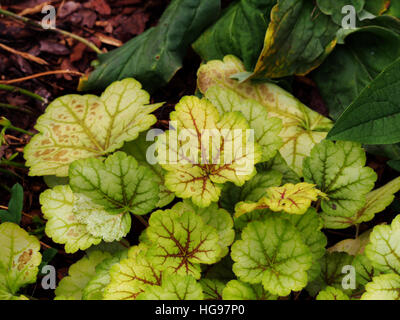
290	198
302	127
77	127
79	274
205	150
63	225
19	259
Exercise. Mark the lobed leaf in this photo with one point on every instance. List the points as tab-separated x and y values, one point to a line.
174	287
302	127
364	270
197	168
79	274
181	241
290	198
63	225
19	260
383	250
331	274
139	149
272	252
279	164
339	171
376	201
215	217
383	287
79	127
94	290
212	288
239	290
332	293
131	275
252	190
118	184
266	129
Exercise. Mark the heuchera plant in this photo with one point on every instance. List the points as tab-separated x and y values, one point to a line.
247	228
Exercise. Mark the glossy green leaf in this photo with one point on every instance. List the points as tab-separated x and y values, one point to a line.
78	127
298	39
374	117
15	205
353	66
156	55
239	31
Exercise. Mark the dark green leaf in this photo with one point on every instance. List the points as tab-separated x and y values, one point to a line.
298	39
395	164
240	31
334	8
47	256
15	205
156	55
374	117
394	9
351	67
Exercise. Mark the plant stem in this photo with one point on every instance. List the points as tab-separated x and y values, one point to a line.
12	164
23	91
20	130
63	32
357	230
142	220
41	74
10	106
9	172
